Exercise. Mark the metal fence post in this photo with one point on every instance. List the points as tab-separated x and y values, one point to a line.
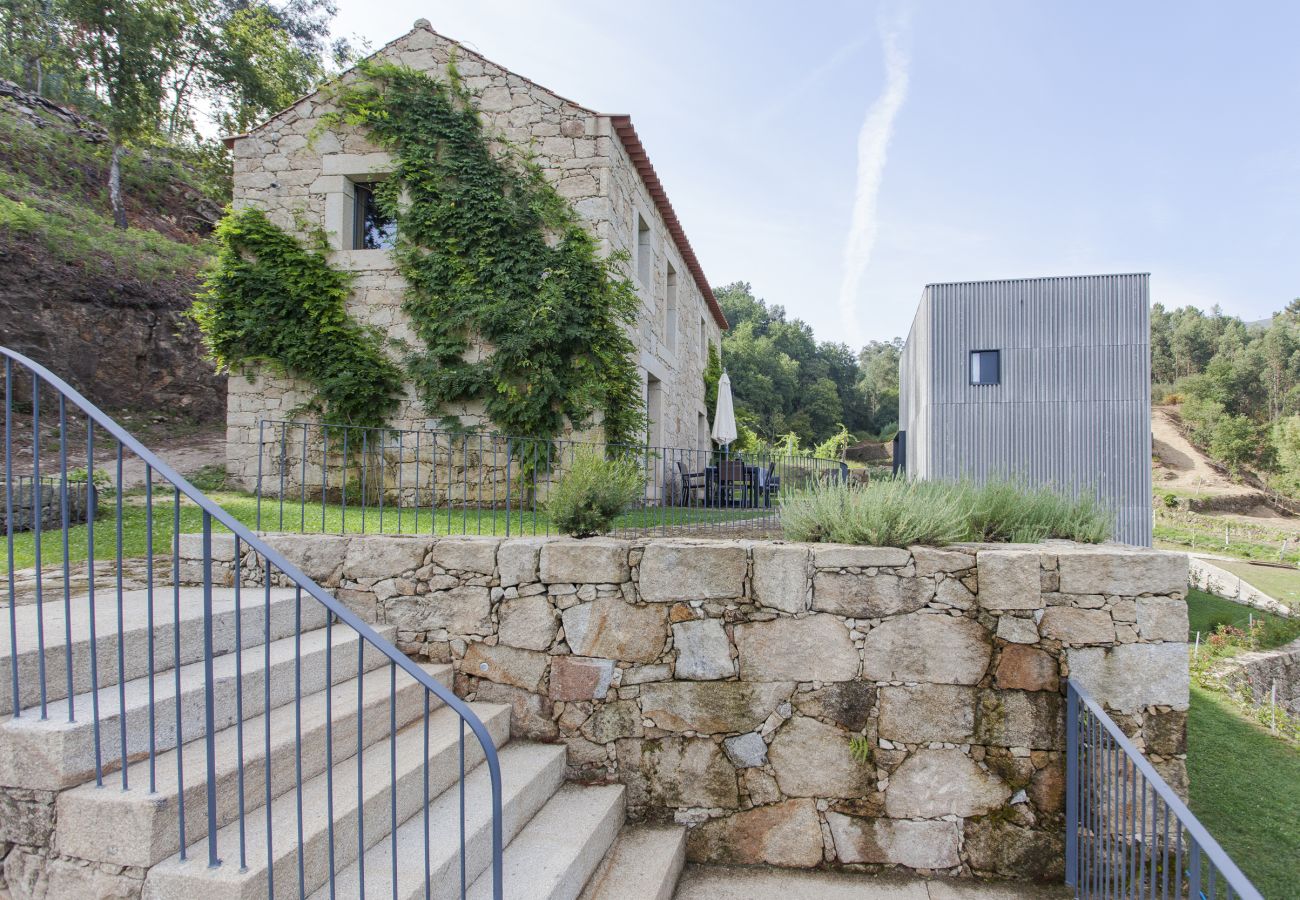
1071	786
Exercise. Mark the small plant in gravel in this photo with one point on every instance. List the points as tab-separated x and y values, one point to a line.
593	492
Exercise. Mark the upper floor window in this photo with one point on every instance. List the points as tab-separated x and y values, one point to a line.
372	229
644	253
985	367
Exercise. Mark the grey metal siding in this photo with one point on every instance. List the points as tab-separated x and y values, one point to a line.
1073	407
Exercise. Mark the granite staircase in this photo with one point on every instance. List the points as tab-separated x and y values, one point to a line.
250	736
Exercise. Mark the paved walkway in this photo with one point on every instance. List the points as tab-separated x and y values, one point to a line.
727	883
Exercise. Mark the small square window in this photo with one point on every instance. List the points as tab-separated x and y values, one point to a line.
372	229
985	367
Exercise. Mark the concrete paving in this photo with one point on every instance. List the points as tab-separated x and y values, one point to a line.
736	883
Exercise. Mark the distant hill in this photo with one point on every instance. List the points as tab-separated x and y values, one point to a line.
102	306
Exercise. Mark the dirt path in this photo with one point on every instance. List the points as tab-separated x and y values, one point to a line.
1181	466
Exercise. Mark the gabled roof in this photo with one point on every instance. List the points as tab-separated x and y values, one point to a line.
623	128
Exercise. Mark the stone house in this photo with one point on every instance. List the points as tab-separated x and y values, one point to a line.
300	174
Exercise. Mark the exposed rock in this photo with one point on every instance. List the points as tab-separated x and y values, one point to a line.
1077	626
703	651
383	556
780	834
934	783
711	707
919	714
1162	619
1009	579
580	678
746	750
1027	669
813	760
1131	676
530	714
613	628
592	561
677	772
517	561
848	556
465	554
506	665
527	622
1125	573
612	721
847	702
869	596
811	648
781	577
671	572
903	842
927	648
1020	719
1014	852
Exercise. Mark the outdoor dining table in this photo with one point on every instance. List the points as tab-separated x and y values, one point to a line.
752	479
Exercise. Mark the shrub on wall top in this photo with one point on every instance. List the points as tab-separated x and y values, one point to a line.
593	492
899	512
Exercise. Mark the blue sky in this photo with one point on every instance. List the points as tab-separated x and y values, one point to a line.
841	156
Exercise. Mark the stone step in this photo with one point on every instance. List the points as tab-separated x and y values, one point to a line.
555	854
644	864
51	618
530	776
53	753
138	828
309	818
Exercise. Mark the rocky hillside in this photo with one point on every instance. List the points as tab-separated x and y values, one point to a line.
102	307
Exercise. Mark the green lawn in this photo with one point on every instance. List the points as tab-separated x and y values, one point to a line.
1245	788
332	519
1279	583
1206	612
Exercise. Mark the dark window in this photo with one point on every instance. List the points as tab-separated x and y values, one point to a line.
985	367
372	229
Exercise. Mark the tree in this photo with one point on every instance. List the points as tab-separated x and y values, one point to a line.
129	47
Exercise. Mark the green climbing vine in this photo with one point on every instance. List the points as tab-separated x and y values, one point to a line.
269	299
712	375
490	251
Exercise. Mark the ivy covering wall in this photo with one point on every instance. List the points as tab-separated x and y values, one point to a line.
491	252
270	299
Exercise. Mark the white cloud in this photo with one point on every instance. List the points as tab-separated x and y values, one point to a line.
873	148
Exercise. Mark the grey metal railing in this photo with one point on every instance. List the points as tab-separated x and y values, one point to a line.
338	478
1128	835
41	446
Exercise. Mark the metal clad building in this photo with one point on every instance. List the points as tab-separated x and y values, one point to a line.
1042	378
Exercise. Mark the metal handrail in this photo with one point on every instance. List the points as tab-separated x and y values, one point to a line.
1102	802
213	511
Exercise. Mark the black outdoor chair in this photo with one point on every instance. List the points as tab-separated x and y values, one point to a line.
769	483
735	483
689	483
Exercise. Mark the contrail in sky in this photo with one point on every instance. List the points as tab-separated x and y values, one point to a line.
873	147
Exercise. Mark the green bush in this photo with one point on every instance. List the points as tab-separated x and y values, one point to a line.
593	492
899	512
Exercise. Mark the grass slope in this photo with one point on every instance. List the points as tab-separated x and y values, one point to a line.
1245	788
1205	613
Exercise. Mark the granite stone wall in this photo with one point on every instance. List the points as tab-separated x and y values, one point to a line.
799	705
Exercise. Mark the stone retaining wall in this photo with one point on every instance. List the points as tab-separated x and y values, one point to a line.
1253	677
723	682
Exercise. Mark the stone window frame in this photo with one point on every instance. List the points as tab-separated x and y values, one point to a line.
339	171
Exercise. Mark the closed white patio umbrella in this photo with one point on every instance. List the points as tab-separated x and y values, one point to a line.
724	418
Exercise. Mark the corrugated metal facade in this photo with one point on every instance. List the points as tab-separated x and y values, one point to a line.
1073	406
